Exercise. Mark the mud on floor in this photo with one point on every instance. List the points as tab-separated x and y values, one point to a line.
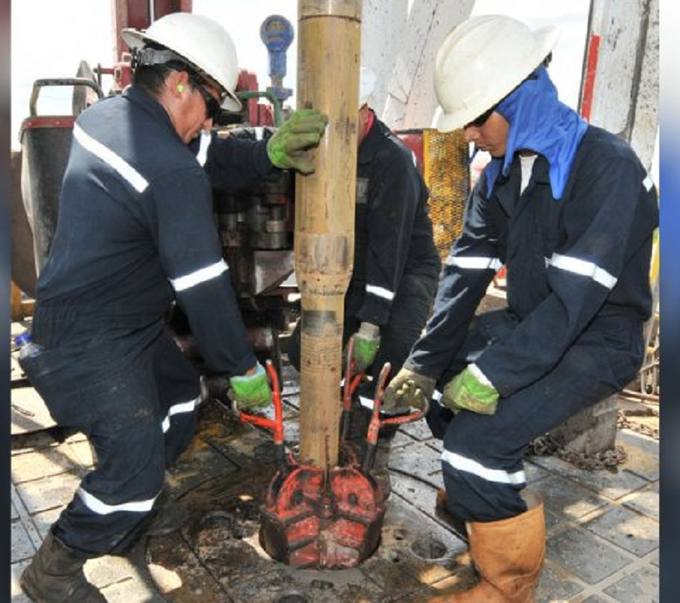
217	556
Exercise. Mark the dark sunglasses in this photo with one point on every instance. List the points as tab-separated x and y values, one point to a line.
213	107
481	120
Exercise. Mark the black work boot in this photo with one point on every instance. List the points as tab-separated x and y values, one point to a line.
55	575
169	516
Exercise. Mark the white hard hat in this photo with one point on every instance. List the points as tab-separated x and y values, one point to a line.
482	60
367	79
202	42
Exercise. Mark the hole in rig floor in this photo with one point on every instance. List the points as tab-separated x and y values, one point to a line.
292	598
428	547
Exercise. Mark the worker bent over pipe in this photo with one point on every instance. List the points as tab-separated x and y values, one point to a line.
135	233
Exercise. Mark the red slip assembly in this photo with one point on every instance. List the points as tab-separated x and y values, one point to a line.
316	517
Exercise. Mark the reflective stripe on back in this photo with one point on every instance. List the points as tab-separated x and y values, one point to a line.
130	174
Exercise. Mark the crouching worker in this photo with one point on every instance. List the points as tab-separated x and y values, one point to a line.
396	263
570	210
136	233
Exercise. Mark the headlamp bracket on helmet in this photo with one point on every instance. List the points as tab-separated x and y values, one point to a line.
154	56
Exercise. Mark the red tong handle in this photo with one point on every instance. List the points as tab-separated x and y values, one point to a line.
275	425
376	422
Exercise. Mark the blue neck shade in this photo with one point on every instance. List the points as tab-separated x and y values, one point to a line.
539	122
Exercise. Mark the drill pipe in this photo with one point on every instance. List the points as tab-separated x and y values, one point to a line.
328	80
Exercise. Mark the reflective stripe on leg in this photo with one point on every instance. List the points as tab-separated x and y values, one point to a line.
176	409
462	463
101	508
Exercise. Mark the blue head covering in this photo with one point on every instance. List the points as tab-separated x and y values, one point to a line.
541	123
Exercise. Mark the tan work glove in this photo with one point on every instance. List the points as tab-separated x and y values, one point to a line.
408	390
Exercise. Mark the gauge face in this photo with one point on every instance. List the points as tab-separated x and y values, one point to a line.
277	33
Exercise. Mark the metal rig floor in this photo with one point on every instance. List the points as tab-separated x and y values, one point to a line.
602	525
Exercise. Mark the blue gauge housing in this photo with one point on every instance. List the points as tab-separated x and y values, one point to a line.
277	34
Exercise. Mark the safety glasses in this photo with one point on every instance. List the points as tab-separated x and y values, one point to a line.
213	107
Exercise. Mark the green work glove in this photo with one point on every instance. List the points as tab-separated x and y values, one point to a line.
470	390
251	391
288	146
365	344
408	390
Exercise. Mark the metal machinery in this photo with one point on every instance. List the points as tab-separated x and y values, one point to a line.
326	516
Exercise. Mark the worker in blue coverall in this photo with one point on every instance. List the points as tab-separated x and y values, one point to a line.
396	264
135	233
570	210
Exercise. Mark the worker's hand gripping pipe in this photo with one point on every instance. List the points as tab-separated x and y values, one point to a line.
275	425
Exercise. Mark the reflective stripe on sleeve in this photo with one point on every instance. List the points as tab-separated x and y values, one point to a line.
584	268
202	155
366	402
136	180
477	372
101	508
176	409
474	263
499	476
199	276
380	292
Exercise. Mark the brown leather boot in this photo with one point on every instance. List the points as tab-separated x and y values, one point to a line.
55	575
508	555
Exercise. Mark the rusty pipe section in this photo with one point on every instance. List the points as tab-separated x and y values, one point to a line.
329	34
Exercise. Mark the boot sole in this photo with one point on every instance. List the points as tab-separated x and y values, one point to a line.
35	595
28	590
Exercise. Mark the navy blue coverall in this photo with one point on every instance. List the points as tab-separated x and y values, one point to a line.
578	293
396	264
135	232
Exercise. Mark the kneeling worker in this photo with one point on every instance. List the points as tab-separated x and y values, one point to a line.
396	264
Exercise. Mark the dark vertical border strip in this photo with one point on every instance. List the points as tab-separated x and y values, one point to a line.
4	302
670	300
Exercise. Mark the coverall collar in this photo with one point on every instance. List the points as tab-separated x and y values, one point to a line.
140	97
507	187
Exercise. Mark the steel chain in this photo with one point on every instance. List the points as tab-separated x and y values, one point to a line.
623	422
547	446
